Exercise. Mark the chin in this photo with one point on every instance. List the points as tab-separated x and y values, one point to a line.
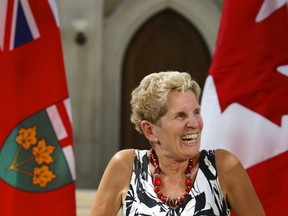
192	150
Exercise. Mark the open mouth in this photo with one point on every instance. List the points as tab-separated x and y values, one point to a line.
189	137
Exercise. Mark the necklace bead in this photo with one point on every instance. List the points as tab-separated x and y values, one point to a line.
170	201
157	181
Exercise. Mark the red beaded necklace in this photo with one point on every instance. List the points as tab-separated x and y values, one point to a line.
170	201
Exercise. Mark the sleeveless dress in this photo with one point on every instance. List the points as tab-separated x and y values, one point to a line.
205	197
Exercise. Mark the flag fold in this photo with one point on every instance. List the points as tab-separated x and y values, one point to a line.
37	169
244	103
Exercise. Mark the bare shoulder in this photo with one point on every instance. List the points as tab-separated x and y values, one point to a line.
114	183
119	169
236	185
122	163
228	169
225	161
123	156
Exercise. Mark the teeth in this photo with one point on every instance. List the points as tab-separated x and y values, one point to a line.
189	137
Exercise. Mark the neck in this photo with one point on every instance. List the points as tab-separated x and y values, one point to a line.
173	166
157	180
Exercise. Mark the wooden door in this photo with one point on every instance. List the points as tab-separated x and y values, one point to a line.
165	42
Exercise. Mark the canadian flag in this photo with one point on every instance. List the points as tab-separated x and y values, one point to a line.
245	98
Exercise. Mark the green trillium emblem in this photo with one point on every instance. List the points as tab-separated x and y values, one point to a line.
32	158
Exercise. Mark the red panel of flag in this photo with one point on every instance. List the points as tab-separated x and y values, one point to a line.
37	168
245	98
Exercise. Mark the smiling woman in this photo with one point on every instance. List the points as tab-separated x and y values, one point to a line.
181	121
173	177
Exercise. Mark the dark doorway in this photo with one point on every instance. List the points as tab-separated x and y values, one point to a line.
167	41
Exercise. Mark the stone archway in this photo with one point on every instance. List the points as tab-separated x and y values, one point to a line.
119	29
167	41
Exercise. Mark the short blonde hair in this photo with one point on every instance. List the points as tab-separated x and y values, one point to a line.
148	100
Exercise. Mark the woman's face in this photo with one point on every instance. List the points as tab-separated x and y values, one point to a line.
179	129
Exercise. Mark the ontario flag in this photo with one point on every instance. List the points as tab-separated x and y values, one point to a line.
245	98
37	169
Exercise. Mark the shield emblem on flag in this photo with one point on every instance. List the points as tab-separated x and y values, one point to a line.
32	158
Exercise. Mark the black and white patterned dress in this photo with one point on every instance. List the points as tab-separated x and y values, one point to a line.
205	197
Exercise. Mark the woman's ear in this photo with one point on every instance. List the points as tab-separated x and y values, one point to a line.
147	128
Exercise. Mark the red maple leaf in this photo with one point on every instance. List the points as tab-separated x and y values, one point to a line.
247	55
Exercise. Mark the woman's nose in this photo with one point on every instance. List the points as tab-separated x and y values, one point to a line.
192	122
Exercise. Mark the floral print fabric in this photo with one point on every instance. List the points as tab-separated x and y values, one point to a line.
205	197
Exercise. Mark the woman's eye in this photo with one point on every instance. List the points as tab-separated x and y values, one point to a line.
197	112
180	115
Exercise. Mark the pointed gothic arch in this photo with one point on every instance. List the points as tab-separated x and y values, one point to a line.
119	30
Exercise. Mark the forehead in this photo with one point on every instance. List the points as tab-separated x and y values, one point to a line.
181	100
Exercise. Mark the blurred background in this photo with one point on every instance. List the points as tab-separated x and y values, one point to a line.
109	46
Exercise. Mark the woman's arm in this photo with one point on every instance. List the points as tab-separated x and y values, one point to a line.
236	185
114	184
